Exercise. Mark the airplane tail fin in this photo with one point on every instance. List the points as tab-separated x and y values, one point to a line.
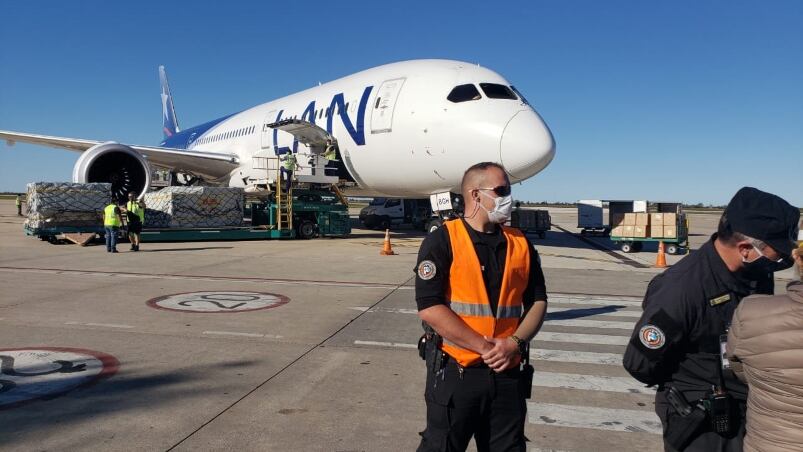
169	121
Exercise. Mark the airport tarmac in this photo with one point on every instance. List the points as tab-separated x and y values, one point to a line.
290	345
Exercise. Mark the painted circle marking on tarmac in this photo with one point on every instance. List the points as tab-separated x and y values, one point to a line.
218	302
41	373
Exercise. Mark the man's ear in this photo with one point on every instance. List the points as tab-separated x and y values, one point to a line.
744	247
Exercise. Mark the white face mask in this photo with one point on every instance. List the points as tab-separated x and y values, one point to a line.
502	208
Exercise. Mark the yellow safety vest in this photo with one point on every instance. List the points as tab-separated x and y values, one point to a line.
18	201
110	219
133	207
289	162
468	297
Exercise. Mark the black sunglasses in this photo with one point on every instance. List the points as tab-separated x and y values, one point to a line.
502	190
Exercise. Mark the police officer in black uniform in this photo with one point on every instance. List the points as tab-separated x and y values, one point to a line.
678	343
485	400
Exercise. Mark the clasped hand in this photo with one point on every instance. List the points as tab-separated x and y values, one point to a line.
503	354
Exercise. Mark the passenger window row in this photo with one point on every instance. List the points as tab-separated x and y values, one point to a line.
322	113
325	112
467	92
226	135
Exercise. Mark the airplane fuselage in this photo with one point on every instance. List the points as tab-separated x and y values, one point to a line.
398	134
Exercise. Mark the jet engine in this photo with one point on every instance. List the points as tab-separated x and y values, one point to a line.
115	163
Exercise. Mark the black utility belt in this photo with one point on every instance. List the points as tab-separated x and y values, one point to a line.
719	407
452	362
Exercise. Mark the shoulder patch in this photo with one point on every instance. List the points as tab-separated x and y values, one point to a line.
652	337
720	299
427	270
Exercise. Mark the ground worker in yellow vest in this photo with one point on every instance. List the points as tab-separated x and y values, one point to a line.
331	152
481	294
111	223
135	215
289	164
19	205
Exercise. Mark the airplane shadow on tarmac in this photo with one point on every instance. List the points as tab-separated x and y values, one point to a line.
581	312
131	389
561	239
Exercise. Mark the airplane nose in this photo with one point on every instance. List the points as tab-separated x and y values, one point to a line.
527	145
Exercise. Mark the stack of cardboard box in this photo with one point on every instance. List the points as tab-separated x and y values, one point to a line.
630	224
642	225
664	225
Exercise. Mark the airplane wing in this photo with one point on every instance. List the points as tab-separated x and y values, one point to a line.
305	131
205	164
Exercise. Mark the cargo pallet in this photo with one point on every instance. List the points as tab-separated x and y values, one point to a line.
531	221
54	234
311	213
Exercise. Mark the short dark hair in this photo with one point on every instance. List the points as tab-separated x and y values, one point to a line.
482	166
726	234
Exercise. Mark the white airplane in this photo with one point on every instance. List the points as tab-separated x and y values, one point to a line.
407	129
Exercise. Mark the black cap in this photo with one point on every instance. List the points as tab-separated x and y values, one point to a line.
765	217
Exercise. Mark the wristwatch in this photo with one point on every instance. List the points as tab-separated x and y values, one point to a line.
521	344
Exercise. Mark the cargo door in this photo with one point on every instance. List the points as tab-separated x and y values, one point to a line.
267	132
385	103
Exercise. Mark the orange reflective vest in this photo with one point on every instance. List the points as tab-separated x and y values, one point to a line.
468	297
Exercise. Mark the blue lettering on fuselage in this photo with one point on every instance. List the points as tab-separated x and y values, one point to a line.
356	131
276	149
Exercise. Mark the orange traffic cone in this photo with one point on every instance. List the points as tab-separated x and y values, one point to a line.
660	261
387	250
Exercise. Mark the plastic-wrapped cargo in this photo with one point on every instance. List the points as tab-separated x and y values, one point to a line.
194	207
66	204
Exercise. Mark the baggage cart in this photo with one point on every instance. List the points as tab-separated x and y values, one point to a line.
531	221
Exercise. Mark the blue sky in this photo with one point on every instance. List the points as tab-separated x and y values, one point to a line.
683	100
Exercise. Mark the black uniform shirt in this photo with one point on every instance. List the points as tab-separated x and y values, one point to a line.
686	309
491	251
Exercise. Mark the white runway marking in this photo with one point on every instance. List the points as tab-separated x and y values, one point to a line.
591	312
550	310
390	310
600	339
595	301
563	356
235	333
386	344
587	323
105	325
590	383
634	421
55	271
611	359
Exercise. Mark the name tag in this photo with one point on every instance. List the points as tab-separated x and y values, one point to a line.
720	300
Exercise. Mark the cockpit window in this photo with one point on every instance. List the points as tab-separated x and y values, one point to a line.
523	99
496	91
462	93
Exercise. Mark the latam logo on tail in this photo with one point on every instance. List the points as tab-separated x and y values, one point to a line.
406	129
